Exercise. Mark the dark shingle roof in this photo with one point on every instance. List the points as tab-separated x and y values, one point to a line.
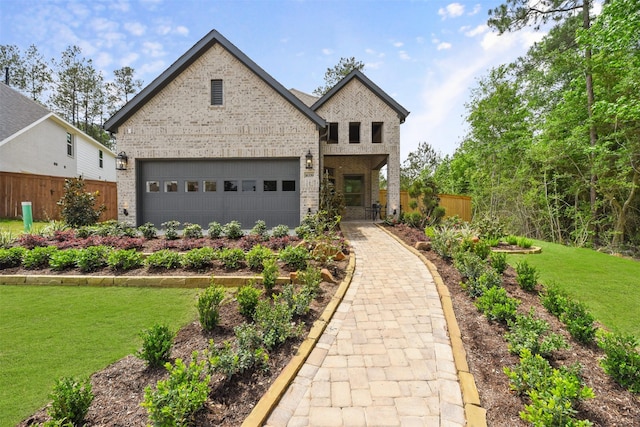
356	74
17	111
185	61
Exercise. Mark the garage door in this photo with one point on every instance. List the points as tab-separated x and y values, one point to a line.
202	191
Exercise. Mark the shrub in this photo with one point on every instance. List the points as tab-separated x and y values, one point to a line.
11	257
233	230
92	258
497	305
579	322
6	239
445	241
470	265
148	230
257	255
231	258
489	227
31	241
487	280
523	242
527	276
511	239
171	229
176	399
198	258
260	229
499	261
208	304
62	260
248	297
164	258
528	332
125	259
274	318
77	207
493	242
295	257
156	345
191	231
38	257
531	373
554	300
269	274
280	230
311	279
215	230
245	355
622	359
71	399
299	302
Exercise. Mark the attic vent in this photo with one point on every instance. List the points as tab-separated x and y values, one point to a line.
216	92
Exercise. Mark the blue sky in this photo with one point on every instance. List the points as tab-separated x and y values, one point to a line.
426	54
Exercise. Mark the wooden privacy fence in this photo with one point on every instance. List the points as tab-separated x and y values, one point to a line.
452	204
44	191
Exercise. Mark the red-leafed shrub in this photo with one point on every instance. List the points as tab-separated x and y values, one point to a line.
31	241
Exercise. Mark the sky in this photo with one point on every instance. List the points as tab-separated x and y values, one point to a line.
426	54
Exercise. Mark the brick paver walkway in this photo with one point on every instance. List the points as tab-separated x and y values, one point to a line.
385	358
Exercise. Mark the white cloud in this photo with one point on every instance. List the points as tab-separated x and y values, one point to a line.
452	10
374	53
398	44
103	60
129	59
327	51
153	49
121	5
523	39
420	40
404	55
151	68
373	65
444	46
476	9
163	29
135	28
181	30
472	32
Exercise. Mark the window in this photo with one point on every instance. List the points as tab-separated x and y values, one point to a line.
248	185
270	186
288	186
216	92
332	136
354	132
354	190
191	186
153	186
209	186
376	132
231	186
171	186
100	159
69	145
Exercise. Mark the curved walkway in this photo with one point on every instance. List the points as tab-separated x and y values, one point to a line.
385	359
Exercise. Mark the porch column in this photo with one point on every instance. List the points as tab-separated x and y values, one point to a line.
393	182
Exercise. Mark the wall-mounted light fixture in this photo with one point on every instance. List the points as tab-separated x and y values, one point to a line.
121	161
125	209
309	160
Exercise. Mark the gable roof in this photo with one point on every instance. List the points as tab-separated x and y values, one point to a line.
185	61
17	111
356	74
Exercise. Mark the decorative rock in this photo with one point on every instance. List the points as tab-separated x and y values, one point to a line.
293	277
423	246
339	256
327	276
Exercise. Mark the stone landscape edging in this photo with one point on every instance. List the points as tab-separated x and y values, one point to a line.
475	414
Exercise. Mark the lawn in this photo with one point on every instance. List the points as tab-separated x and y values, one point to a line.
49	332
16	226
608	285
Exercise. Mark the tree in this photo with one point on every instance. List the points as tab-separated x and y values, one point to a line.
78	206
121	88
69	71
36	76
423	160
333	75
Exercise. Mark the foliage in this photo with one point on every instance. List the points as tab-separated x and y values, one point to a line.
579	322
231	258
332	203
208	305
156	345
269	273
299	301
198	258
531	333
499	261
470	265
125	259
622	359
425	191
294	257
554	300
497	305
257	255
421	162
274	318
175	400
215	230
523	242
11	257
489	227
38	257
314	225
92	258
233	230
333	75
63	260
311	279
71	398
260	229
77	207
476	287
527	276
247	353
445	241
164	258
191	231
171	229
280	230
248	297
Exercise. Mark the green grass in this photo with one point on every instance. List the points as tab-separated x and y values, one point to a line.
50	332
608	285
16	226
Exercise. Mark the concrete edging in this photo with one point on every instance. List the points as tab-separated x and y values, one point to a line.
272	397
475	414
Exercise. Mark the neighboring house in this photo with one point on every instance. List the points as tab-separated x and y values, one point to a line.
216	138
33	140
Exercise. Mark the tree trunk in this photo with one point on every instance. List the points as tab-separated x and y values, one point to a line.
593	137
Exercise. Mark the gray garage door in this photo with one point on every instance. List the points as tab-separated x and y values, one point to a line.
202	191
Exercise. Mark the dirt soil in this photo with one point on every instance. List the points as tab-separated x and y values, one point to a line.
487	354
119	388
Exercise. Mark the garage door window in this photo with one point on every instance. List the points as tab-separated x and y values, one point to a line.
231	186
153	186
171	186
191	186
209	186
249	185
270	186
288	185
